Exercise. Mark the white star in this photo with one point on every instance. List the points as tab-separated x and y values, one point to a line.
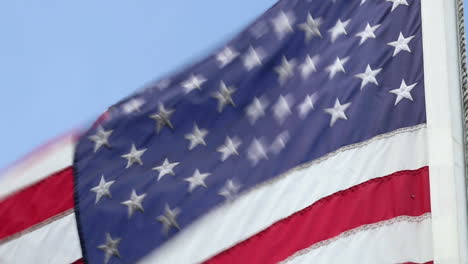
307	105
282	24
229	148
197	179
256	151
281	110
101	138
134	203
338	29
337	111
280	142
194	82
102	189
311	27
197	137
133	105
134	156
362	2
367	33
253	58
163	84
403	92
256	109
368	76
308	66
224	96
166	168
230	190
396	3
110	248
401	44
226	56
168	219
337	66
285	70
163	118
259	29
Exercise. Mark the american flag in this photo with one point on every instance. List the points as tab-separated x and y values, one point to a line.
302	140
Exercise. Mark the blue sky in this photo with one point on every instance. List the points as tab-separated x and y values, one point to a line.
62	63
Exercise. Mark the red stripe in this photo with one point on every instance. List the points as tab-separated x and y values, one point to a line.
401	193
37	203
80	261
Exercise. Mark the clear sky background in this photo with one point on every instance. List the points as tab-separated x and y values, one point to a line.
63	62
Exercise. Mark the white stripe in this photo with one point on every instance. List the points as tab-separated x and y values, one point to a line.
254	211
55	243
54	157
399	242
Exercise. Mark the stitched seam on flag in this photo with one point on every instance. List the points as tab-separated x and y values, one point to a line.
332	154
37	226
399	219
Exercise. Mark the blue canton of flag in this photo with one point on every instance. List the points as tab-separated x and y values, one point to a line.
304	80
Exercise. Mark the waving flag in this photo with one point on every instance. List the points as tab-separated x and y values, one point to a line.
301	140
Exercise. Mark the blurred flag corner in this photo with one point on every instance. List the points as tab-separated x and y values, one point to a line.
304	139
